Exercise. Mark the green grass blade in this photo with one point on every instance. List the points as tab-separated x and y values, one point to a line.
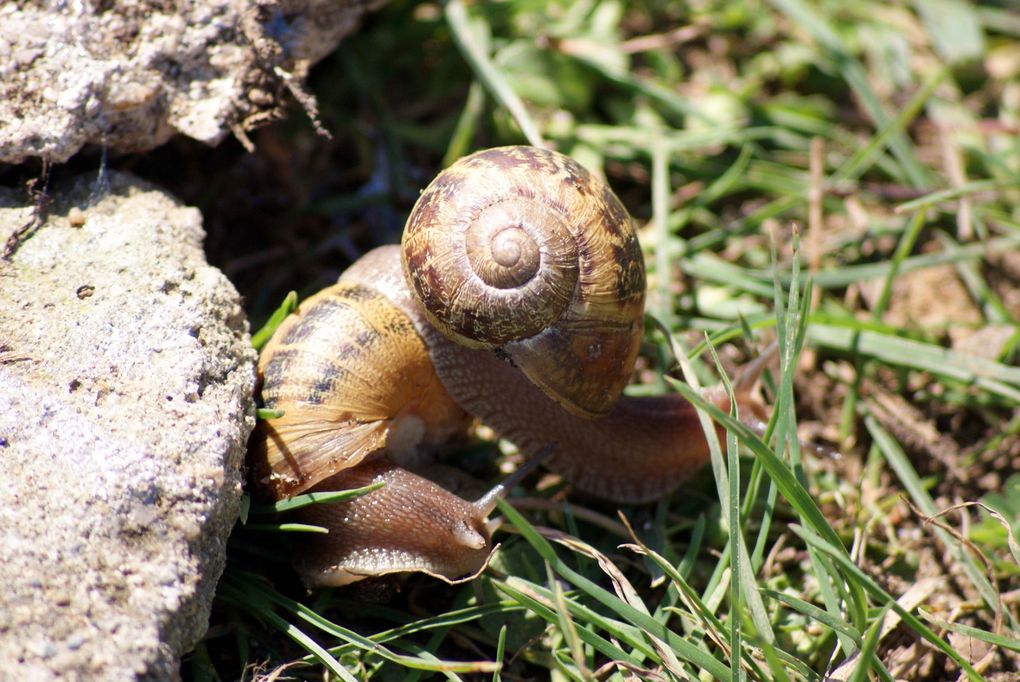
863	159
759	282
856	77
988	374
263	594
443	621
254	602
530	596
1003	641
460	140
953	193
487	73
852	570
500	653
899	463
903	248
831	621
264	413
259	338
795	493
305	499
867	657
683	648
709	622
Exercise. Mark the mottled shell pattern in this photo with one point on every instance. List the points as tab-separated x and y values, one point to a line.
354	381
521	249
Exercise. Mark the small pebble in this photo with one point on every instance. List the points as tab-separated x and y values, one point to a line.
76	217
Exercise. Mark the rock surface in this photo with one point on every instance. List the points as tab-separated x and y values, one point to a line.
129	74
126	376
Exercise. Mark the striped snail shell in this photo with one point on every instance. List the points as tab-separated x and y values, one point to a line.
354	381
522	250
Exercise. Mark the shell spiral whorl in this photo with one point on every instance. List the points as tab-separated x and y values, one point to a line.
522	249
483	247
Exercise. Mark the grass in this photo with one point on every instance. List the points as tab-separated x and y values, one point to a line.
840	177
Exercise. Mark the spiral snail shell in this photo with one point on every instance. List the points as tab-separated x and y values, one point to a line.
522	249
516	298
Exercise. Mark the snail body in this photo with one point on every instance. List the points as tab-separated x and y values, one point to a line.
409	524
496	227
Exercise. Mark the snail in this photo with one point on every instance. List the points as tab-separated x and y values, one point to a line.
516	297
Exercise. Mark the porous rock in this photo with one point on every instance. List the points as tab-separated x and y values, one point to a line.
126	375
128	74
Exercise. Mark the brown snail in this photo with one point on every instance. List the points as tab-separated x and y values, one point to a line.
413	342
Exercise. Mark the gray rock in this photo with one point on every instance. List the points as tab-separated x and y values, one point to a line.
126	376
129	74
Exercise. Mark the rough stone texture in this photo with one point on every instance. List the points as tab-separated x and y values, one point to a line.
126	376
128	74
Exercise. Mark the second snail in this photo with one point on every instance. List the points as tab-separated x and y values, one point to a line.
515	298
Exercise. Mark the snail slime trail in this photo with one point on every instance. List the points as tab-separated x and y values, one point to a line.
513	252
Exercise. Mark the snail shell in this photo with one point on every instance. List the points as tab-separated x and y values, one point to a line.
354	380
521	249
